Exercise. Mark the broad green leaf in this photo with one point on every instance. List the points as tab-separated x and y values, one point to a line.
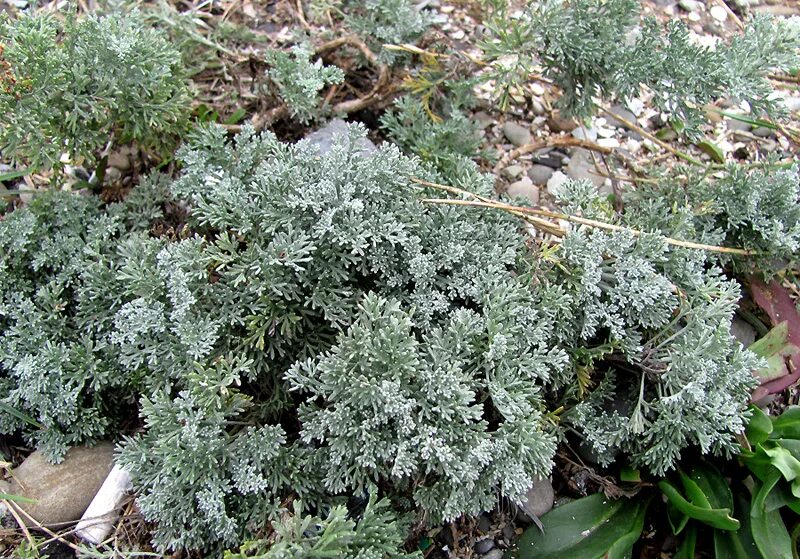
759	427
677	520
714	487
694	492
787	424
686	549
757	462
590	528
759	505
769	531
712	150
716	518
786	464
775	347
781	496
236	117
738	544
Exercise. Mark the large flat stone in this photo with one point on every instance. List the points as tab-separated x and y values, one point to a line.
62	491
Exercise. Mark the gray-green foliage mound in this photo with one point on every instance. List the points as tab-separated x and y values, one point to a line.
72	85
314	329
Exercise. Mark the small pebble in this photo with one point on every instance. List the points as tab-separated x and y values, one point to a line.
585	133
690	5
483	119
608	142
622	112
552	160
508	532
457	35
540	174
524	188
694	16
556	183
581	167
539	499
719	13
484	523
513	171
494	554
484	546
516	134
558	123
763	132
737	125
792	104
120	161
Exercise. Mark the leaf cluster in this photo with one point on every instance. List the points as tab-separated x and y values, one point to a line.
74	85
299	81
578	44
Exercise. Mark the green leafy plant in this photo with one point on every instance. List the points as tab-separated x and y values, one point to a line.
593	48
73	86
299	81
376	533
378	22
594	527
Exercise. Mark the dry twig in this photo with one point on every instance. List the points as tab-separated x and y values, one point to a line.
480	201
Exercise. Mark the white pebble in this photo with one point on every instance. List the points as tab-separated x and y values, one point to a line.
608	142
694	16
719	13
556	183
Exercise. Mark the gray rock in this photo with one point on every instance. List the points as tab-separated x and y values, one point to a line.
483	119
516	134
62	491
540	174
737	125
553	159
581	167
539	498
622	112
5	487
690	5
743	331
769	145
484	523
508	532
513	171
585	134
763	132
792	104
667	135
120	161
324	138
558	123
484	546
494	554
556	183
524	188
718	13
